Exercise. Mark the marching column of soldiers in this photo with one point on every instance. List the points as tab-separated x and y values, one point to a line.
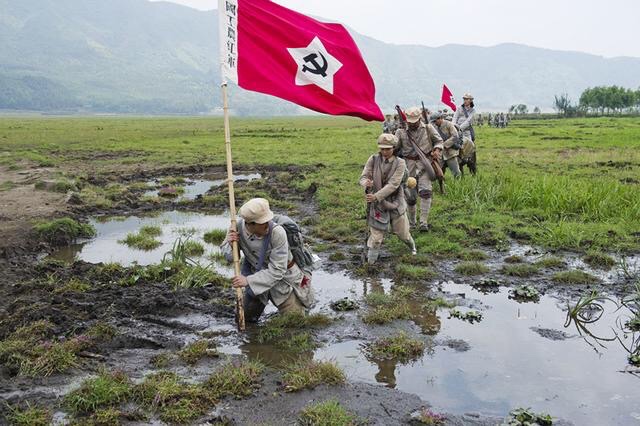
398	179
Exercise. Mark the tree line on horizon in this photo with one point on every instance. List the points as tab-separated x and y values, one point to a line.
599	101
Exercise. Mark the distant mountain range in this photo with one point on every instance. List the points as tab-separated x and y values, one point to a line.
134	56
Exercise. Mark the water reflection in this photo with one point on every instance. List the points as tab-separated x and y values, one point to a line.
199	187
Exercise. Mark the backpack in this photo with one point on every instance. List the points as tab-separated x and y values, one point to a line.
302	254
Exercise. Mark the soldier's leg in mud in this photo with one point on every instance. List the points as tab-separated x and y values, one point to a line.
253	306
400	227
374	243
411	196
452	163
292	304
425	191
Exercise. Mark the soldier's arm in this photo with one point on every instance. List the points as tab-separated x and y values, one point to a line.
453	132
434	136
367	173
394	182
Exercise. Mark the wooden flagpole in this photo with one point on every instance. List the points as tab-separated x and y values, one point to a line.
232	209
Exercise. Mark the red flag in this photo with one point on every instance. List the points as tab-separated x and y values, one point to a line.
270	49
447	98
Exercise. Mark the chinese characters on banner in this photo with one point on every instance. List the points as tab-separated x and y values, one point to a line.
228	27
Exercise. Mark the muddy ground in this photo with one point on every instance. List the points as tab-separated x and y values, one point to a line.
151	318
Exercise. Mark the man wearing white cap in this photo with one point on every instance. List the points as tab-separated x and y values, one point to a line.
463	118
268	269
383	177
429	142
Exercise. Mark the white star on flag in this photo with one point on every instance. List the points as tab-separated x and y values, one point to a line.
315	65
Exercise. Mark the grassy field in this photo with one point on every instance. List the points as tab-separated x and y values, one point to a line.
560	184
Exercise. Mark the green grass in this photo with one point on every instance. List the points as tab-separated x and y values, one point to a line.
193	248
514	259
399	347
74	285
473	255
150	230
284	325
574	193
236	380
414	273
109	389
308	375
175	401
215	236
145	239
63	231
522	270
439	302
327	413
575	277
194	352
33	351
28	415
471	268
599	260
385	308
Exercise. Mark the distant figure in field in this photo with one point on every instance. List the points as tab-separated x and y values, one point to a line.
463	119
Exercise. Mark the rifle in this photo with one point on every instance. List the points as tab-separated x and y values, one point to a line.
428	167
435	164
365	250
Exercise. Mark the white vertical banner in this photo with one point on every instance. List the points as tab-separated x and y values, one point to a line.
228	29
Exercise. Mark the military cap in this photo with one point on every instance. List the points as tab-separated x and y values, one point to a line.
467	96
413	114
387	140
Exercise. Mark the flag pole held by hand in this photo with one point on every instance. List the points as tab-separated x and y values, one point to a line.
232	209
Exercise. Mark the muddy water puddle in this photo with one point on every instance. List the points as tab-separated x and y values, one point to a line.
106	247
518	355
194	187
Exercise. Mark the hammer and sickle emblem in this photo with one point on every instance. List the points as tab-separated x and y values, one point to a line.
317	69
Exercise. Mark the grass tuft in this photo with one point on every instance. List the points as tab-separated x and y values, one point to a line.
328	413
237	380
106	390
282	325
551	262
575	277
414	273
399	347
29	415
215	236
522	270
197	350
471	268
63	231
308	375
599	260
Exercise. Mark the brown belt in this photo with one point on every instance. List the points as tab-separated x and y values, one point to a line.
290	264
413	158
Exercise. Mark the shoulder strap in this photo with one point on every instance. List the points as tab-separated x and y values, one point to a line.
265	246
441	133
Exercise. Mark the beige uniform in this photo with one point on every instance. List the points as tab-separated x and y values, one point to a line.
427	139
450	155
391	192
279	279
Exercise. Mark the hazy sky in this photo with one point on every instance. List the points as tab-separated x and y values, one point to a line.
605	28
